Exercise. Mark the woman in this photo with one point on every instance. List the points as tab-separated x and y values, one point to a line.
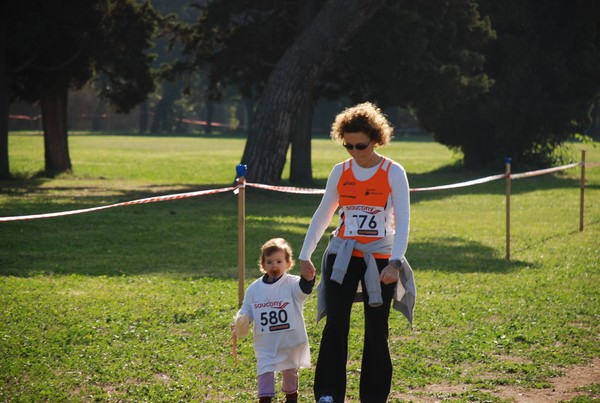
366	249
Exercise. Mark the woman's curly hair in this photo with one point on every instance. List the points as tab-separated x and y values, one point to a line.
366	118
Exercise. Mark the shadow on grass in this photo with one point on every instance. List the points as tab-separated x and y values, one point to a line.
175	250
449	174
458	255
88	195
197	237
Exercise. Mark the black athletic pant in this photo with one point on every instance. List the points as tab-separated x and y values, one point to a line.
376	371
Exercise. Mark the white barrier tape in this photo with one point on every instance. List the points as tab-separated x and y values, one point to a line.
287	189
544	171
461	184
592	164
127	203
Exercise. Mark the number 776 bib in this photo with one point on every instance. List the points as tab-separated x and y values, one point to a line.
362	220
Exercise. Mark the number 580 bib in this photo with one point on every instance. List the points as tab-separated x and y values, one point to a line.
274	316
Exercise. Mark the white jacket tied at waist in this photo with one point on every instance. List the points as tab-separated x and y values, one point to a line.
405	293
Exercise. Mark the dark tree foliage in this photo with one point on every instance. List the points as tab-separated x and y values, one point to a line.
238	42
290	84
490	79
414	54
56	46
170	88
83	38
544	64
409	50
4	91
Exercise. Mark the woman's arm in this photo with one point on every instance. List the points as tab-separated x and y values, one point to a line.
401	204
322	217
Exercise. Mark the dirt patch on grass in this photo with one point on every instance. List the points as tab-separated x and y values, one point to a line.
576	381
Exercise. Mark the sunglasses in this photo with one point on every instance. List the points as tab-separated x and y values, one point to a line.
359	147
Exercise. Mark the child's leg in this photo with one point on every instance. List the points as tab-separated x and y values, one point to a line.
266	384
289	381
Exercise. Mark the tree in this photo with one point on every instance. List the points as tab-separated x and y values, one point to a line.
62	46
544	64
171	91
4	92
429	55
239	43
297	71
301	155
426	47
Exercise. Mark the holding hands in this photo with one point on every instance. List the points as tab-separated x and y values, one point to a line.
307	269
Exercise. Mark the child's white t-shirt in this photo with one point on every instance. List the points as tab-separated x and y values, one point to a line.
280	339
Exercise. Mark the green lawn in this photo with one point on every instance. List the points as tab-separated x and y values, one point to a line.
134	303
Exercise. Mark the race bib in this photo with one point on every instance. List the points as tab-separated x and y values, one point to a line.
361	220
274	316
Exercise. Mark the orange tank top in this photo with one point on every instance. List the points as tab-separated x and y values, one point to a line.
364	211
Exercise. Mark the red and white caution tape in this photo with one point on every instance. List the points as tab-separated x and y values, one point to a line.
24	117
127	203
287	189
544	171
461	184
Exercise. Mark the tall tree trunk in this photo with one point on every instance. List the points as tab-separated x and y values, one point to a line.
143	121
210	112
4	111
299	68
595	115
99	113
53	103
160	116
300	162
164	113
4	94
249	103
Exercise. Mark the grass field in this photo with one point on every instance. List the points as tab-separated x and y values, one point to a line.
134	303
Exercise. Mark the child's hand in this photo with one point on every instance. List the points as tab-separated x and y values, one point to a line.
307	269
241	325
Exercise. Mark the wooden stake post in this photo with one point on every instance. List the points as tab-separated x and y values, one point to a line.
241	173
507	161
582	191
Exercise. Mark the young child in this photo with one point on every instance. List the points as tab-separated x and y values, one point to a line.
274	303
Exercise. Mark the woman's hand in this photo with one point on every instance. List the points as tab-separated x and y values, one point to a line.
389	275
307	269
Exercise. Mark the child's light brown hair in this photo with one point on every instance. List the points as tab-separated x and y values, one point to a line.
274	245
